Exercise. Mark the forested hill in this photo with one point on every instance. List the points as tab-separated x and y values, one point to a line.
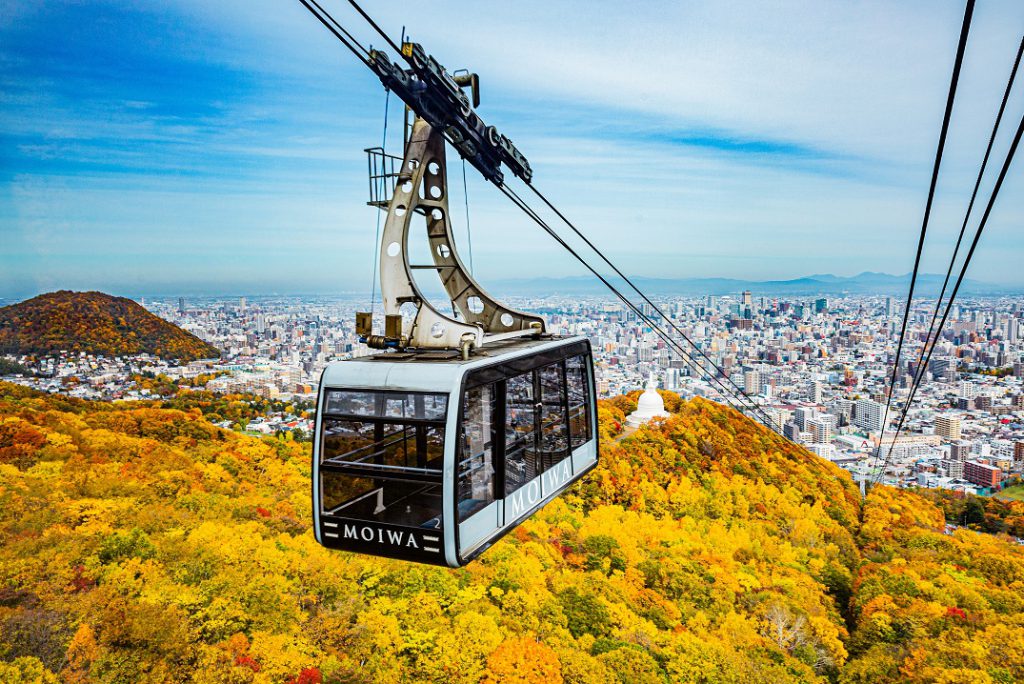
140	543
96	323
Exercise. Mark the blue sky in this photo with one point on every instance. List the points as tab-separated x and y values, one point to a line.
192	147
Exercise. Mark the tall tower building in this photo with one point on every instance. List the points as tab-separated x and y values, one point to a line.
752	382
817	388
181	305
868	415
959	451
967	389
803	416
821	430
948	427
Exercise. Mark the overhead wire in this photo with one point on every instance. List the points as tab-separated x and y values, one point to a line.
919	371
629	282
376	28
339	31
742	400
738	393
947	115
724	390
967	260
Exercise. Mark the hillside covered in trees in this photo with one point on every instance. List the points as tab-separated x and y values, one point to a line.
96	323
145	544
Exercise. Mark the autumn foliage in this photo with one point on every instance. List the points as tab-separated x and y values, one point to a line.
95	323
142	543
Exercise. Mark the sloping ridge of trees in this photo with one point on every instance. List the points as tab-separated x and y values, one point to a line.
145	544
95	323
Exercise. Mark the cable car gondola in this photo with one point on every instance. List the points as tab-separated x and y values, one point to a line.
432	458
467	423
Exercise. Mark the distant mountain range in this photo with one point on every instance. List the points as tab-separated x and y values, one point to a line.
866	283
95	323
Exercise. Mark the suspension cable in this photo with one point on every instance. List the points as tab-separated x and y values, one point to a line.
348	40
375	26
629	282
919	371
970	254
739	398
737	394
725	391
961	48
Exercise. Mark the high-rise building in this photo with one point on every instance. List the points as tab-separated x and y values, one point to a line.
748	299
843	409
868	415
791	431
967	389
241	303
821	431
752	382
947	427
820	305
888	307
953	468
803	416
959	451
817	388
1018	452
181	305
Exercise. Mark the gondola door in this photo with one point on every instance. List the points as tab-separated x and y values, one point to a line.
536	439
522	431
478	508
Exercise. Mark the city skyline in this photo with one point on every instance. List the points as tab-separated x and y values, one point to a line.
815	370
188	148
807	287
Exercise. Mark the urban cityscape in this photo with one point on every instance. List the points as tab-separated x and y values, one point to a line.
817	368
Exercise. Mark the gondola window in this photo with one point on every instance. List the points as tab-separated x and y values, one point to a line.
381	456
554	429
476	460
520	432
579	412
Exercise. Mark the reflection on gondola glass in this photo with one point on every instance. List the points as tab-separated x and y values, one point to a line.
554	430
579	412
520	432
387	404
476	460
381	456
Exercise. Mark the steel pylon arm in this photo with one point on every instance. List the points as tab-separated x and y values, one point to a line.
421	188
